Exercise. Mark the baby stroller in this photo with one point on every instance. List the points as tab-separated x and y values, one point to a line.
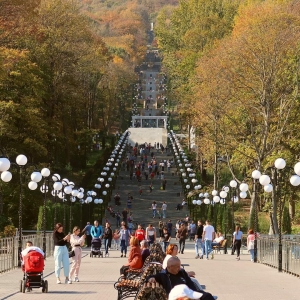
33	272
96	248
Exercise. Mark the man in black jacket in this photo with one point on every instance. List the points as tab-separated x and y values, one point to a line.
175	275
198	241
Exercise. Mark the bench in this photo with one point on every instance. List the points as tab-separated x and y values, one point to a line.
151	291
222	246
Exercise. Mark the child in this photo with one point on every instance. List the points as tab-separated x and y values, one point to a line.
116	238
140	191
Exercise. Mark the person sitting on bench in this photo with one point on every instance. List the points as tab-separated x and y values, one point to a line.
218	240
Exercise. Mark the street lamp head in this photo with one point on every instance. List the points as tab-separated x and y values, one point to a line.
206	195
243	195
244	187
226	189
216	199
194	202
104	193
280	163
100	201
36	176
235	199
57	185
107	185
233	183
65	182
74	193
96	201
6	176
44	188
80	195
268	188
222	201
55	177
89	199
71	184
206	201
187	186
73	199
21	160
199	202
45	172
32	185
223	194
214	193
295	180
297	168
185	180
256	174
4	164
264	180
68	189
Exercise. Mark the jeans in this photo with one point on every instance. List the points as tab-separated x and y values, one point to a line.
208	248
166	244
164	213
61	257
154	212
123	247
199	245
252	253
181	244
107	243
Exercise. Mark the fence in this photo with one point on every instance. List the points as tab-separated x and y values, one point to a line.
268	252
9	249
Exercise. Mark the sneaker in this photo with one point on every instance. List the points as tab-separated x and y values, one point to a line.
212	256
58	281
107	254
69	281
206	258
201	257
197	256
125	255
121	255
76	279
238	258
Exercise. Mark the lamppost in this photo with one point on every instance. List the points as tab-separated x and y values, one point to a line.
274	185
57	187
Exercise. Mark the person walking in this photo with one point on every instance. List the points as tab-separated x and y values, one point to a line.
124	238
160	230
96	230
207	237
164	210
124	215
116	239
198	241
61	254
237	241
140	233
170	226
250	243
118	219
87	231
150	234
181	235
154	206
166	238
107	237
76	244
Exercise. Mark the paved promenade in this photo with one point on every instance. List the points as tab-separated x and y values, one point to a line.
224	276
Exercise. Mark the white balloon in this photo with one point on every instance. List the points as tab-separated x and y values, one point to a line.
6	176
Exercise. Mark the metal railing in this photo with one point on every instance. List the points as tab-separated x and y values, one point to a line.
9	249
268	252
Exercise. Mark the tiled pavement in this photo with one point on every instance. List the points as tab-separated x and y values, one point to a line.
224	276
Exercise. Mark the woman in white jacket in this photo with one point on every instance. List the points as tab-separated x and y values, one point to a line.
76	244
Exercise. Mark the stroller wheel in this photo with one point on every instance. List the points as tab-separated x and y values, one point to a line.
91	255
21	285
45	287
99	255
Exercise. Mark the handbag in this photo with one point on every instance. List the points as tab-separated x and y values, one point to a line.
251	245
71	253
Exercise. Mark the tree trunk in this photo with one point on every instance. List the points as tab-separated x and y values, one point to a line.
292	207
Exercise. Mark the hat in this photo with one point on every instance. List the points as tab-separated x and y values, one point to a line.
183	290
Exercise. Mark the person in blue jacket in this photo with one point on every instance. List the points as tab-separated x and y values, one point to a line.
96	231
